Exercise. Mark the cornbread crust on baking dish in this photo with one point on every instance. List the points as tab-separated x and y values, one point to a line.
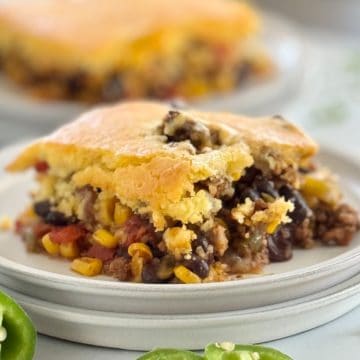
145	192
110	50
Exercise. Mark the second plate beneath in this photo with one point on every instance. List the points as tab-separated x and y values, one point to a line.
50	279
145	332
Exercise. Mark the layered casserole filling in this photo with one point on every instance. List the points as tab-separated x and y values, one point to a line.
194	69
231	217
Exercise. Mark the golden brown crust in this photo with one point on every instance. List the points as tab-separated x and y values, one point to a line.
126	131
118	149
273	138
117	135
99	34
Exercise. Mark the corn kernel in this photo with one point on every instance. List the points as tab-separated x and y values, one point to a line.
5	223
186	276
50	247
140	249
105	208
87	266
121	214
105	238
69	250
166	267
178	240
325	189
271	228
137	265
29	213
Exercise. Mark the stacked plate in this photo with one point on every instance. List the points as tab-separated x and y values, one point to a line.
314	287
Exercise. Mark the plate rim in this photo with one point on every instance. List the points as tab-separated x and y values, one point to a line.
347	289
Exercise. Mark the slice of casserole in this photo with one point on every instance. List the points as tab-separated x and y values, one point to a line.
108	50
149	193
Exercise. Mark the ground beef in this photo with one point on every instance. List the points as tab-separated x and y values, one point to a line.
336	226
88	197
119	268
148	274
100	252
245	263
219	187
219	239
136	229
303	234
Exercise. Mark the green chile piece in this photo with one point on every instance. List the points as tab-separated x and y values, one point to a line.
20	338
170	354
243	352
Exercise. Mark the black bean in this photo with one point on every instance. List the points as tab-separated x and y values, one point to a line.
149	273
279	117
250	175
166	267
76	82
304	170
42	208
122	251
243	72
280	246
187	129
197	265
249	193
265	186
200	241
301	210
113	89
157	253
57	218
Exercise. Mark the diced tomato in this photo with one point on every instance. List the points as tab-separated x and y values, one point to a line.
18	226
137	229
221	53
100	252
66	234
41	166
40	229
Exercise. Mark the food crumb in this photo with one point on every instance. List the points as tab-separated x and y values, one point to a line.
227	346
5	223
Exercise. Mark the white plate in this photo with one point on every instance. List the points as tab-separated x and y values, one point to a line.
282	41
50	279
144	332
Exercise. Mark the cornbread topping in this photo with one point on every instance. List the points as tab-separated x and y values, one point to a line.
147	193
